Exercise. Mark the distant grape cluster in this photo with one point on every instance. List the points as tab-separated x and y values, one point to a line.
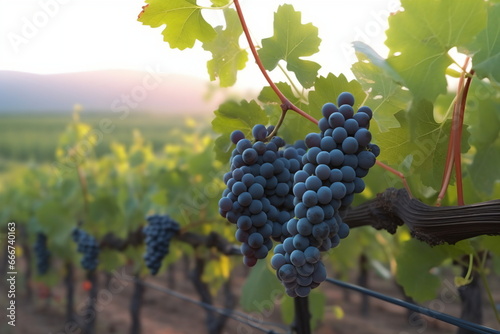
42	253
258	197
88	246
158	232
333	167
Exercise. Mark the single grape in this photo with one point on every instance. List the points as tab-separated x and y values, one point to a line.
345	98
259	132
236	136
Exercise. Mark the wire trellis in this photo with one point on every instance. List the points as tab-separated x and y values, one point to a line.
246	318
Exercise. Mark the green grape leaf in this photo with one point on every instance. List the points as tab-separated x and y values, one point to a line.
267	95
231	116
261	290
487	47
483	113
386	97
185	23
222	147
109	260
371	56
426	142
294	126
415	261
292	40
420	37
484	168
491	243
227	56
327	89
105	212
54	217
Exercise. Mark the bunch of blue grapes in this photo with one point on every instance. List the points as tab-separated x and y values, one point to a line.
333	167
159	232
258	198
42	253
88	246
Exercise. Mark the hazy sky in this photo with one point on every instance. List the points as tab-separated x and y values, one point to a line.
55	36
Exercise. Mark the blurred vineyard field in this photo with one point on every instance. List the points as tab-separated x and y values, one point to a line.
34	136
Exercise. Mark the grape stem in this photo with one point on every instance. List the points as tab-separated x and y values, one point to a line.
398	174
280	121
453	157
285	102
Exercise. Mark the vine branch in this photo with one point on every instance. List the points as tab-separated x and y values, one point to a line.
433	225
285	102
390	209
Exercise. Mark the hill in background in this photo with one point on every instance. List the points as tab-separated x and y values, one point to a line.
111	90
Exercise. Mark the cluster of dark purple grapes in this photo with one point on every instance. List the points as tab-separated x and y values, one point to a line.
42	253
258	197
333	167
159	233
88	246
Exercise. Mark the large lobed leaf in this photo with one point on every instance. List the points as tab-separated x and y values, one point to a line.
292	40
386	96
483	115
415	261
426	143
486	60
261	290
227	56
185	23
327	89
420	37
231	116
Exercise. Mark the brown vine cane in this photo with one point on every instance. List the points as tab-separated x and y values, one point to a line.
433	225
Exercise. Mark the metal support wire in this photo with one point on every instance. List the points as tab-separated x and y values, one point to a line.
235	315
423	310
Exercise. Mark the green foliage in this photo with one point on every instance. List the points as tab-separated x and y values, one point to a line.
484	116
326	89
261	289
184	20
415	133
486	47
231	116
291	41
386	97
416	261
420	37
227	55
427	146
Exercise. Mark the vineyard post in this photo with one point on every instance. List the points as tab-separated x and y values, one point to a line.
136	305
90	312
302	315
70	291
27	255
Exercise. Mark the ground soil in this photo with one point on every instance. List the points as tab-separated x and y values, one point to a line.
165	314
